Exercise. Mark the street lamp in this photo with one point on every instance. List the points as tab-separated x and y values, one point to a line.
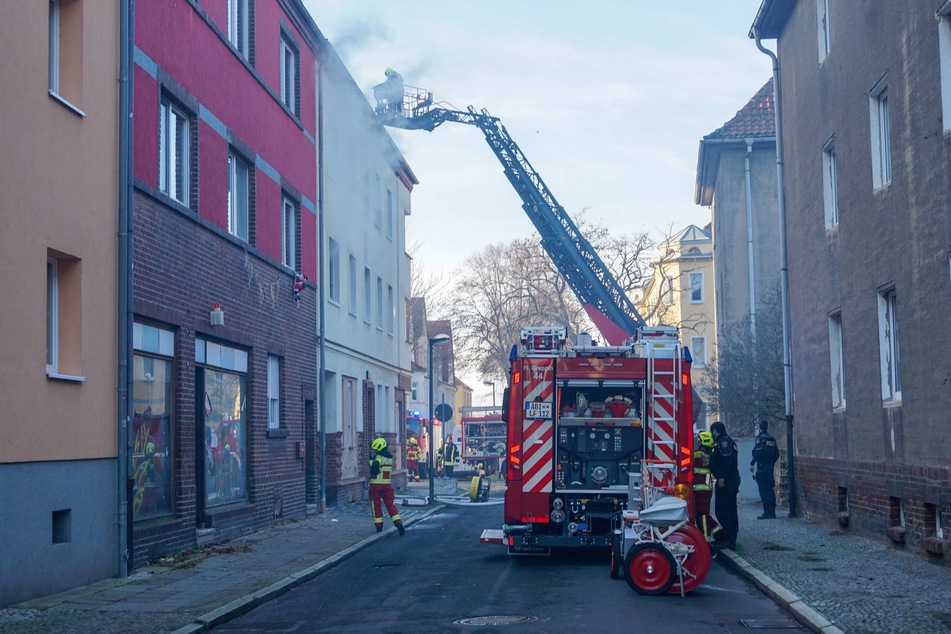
433	341
487	383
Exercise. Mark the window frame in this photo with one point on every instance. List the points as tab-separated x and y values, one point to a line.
699	360
273	392
239	224
889	345
290	73
691	275
239	26
172	172
824	28
352	279
367	295
333	271
379	302
390	310
944	58
290	244
836	362
389	213
879	119
378	219
830	184
52	316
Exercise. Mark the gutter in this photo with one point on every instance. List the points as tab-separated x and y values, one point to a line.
784	270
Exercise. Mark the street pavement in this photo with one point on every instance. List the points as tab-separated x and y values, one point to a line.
829	581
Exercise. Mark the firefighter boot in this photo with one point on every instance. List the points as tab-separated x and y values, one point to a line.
399	527
379	528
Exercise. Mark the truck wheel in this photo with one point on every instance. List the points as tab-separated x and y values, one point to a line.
649	569
617	558
697	563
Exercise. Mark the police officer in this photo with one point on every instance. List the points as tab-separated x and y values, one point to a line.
765	455
726	474
381	490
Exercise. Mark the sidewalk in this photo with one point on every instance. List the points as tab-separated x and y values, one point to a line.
833	581
829	580
192	594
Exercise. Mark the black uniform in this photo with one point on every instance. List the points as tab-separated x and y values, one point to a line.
725	470
765	455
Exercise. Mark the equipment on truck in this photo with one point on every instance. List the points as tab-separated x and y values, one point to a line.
482	437
600	454
592	282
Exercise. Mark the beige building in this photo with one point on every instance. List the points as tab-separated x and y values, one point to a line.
681	293
59	197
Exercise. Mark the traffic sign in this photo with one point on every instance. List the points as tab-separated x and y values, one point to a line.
444	412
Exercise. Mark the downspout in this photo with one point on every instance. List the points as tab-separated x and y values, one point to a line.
784	276
125	558
749	239
322	349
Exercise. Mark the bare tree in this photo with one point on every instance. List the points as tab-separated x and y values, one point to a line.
745	380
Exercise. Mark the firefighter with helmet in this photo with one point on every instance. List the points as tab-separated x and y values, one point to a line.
381	489
703	487
450	456
412	460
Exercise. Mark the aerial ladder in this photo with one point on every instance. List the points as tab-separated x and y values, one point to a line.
596	288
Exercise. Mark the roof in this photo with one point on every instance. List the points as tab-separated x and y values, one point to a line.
771	18
754	122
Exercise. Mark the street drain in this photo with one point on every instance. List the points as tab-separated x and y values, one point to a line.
502	619
770	624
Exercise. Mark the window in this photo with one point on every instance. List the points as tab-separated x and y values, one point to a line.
349	412
367	295
944	57
696	287
389	213
66	52
289	74
238	172
222	400
289	233
390	310
881	141
352	278
698	349
238	31
888	345
837	361
378	193
273	392
829	186
152	457
333	282
174	152
825	42
63	317
379	302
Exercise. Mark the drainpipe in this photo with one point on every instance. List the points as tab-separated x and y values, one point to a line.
124	482
322	348
784	277
749	239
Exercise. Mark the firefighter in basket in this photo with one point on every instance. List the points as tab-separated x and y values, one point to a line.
412	460
381	490
703	487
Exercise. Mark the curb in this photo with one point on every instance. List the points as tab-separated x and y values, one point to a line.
799	609
248	602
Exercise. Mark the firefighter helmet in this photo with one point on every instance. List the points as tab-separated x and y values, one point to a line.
389	71
378	445
706	438
412	441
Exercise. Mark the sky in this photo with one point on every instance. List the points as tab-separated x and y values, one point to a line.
608	100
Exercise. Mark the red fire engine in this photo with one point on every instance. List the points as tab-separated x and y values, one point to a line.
596	434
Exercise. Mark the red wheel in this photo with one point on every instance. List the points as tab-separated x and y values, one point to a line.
698	562
649	568
616	556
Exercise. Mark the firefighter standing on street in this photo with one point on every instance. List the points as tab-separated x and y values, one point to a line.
765	455
703	487
450	455
726	474
412	460
381	490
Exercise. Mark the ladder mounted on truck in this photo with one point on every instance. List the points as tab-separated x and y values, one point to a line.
592	282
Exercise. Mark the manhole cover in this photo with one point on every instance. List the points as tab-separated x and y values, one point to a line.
502	619
770	624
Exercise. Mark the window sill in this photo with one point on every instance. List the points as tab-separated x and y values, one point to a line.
65	377
335	302
277	433
891	402
69	106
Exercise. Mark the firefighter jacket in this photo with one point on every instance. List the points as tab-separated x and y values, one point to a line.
701	470
450	454
381	466
765	452
412	453
723	460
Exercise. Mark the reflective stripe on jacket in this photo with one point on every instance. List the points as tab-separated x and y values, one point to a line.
385	466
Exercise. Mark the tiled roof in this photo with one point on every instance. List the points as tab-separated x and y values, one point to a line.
756	119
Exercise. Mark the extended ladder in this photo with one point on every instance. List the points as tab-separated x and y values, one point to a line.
662	351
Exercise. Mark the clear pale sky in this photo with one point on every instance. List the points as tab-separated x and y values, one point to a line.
607	99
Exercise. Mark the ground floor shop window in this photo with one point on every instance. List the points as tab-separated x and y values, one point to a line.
224	423
151	423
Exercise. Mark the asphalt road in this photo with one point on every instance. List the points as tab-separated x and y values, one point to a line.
438	575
